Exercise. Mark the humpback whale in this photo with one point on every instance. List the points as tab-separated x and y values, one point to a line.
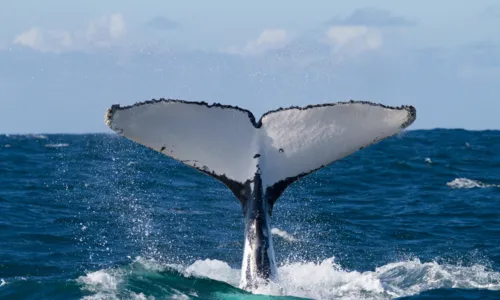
257	160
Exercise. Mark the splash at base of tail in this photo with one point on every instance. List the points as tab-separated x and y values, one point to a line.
257	160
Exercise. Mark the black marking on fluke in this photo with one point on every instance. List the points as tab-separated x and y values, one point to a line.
256	155
281	150
189	160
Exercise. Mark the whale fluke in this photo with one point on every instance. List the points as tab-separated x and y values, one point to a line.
257	160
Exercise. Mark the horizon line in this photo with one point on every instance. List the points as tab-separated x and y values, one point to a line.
103	132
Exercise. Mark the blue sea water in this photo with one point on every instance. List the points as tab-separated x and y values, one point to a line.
99	217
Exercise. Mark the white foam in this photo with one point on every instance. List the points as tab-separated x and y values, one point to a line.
283	234
179	296
100	296
106	285
60	145
101	281
465	183
322	280
214	269
141	296
2	282
130	295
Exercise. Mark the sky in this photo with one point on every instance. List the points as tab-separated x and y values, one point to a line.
63	63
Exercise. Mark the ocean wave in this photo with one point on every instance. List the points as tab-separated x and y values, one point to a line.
465	183
322	280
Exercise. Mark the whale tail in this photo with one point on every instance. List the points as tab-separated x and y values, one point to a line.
257	160
228	143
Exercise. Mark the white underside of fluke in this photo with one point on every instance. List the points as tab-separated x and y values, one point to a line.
227	141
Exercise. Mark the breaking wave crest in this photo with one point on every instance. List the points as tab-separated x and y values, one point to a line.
465	183
214	279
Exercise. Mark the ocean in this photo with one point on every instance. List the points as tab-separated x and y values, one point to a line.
96	216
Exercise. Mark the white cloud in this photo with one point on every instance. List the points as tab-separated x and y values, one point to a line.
366	30
103	32
269	39
353	40
45	41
